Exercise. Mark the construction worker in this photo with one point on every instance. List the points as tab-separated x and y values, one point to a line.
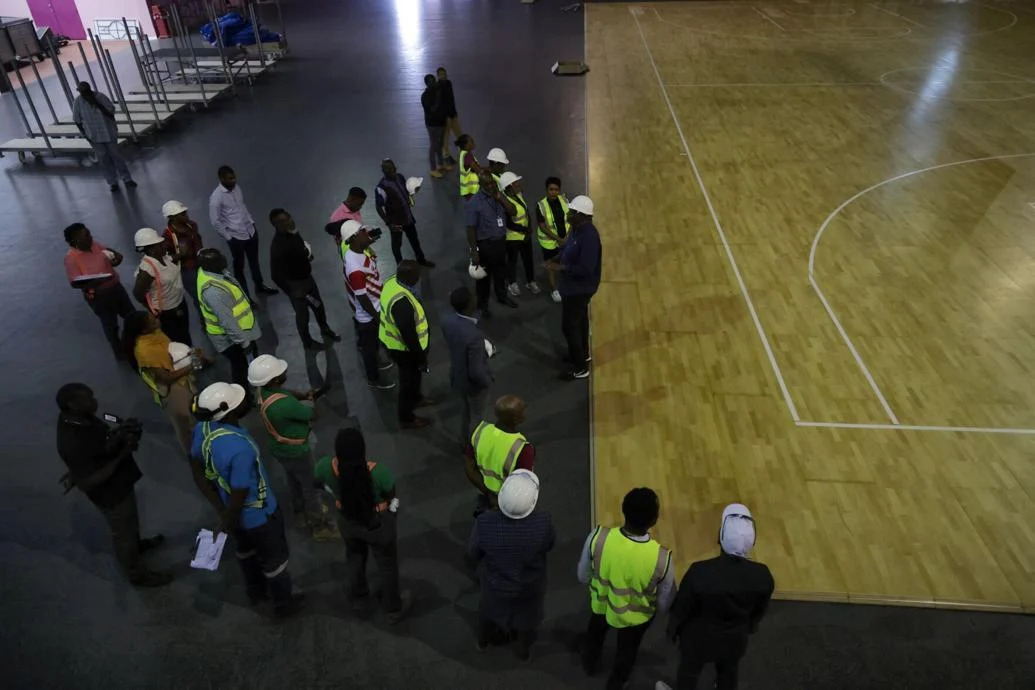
229	320
630	580
498	449
229	471
552	220
363	287
469	166
159	285
403	331
498	163
519	239
289	424
184	243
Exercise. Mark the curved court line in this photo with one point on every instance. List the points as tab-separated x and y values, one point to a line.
815	246
819	14
1016	79
790	39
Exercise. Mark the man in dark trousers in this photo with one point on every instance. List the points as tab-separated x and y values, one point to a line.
719	604
578	271
291	267
469	374
395	206
403	331
435	122
94	115
101	465
90	267
485	215
233	221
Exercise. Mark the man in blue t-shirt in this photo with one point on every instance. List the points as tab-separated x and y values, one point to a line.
228	470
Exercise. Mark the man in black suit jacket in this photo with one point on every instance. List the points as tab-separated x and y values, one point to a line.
720	602
469	374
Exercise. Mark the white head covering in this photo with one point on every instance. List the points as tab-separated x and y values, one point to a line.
737	532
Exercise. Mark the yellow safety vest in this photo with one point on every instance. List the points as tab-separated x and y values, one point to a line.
626	577
242	308
213	475
496	452
388	332
153	386
551	222
519	218
468	177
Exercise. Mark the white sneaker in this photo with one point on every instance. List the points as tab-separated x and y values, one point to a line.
532	287
513	289
556	296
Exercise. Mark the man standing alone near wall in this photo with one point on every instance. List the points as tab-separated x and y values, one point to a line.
94	115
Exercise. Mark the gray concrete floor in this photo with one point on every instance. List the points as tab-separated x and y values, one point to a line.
347	97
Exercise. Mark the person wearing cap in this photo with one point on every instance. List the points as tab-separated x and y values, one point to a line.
159	285
552	220
498	163
170	379
578	277
509	548
363	287
485	215
90	267
519	239
720	604
364	494
349	210
291	260
395	207
94	115
630	581
403	330
435	118
470	168
469	373
184	242
496	450
233	221
289	424
229	471
229	319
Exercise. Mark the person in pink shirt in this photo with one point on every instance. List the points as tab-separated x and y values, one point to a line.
90	267
349	210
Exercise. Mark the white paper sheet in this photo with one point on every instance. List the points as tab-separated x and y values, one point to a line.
206	551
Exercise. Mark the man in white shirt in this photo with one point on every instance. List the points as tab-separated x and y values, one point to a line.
232	220
363	285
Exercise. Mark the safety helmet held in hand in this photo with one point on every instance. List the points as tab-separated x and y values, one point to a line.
413	184
146	237
519	494
583	204
476	272
172	208
216	394
498	156
180	354
264	369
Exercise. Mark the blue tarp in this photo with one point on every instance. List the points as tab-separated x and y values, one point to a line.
237	31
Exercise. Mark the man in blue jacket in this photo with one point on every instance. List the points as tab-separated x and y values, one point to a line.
469	374
578	270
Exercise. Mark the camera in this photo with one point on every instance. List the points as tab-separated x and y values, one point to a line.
125	432
375	234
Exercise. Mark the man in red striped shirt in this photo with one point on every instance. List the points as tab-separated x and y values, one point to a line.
363	285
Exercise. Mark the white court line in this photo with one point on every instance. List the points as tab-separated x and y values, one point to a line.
919	427
718	229
768	18
895	14
822	84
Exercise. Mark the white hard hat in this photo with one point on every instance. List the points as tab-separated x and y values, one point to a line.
490	349
476	272
172	208
349	228
218	393
498	156
264	369
583	204
508	178
413	184
180	354
145	237
519	494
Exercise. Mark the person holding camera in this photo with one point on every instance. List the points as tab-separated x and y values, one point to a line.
363	286
101	465
229	319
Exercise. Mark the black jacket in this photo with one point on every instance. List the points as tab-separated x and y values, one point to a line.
393	207
289	259
85	446
720	602
468	360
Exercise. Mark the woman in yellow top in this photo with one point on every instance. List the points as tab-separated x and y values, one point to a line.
147	349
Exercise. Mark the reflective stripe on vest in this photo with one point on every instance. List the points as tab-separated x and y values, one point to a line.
468	177
152	384
242	308
551	222
620	588
519	218
379	508
157	287
496	453
213	475
264	406
388	332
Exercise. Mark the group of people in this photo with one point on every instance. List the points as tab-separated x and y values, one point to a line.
348	495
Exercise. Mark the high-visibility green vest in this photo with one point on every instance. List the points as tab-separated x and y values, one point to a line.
154	386
242	307
388	332
468	177
519	218
213	475
496	453
551	222
626	577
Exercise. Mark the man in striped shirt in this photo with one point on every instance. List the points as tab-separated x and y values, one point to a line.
363	285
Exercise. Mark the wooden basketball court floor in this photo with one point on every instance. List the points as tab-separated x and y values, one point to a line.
819	287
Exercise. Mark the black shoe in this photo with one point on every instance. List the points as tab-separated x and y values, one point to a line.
113	187
151	578
267	290
485	313
150	543
582	373
508	302
290	607
130	184
315	345
427	264
331	335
